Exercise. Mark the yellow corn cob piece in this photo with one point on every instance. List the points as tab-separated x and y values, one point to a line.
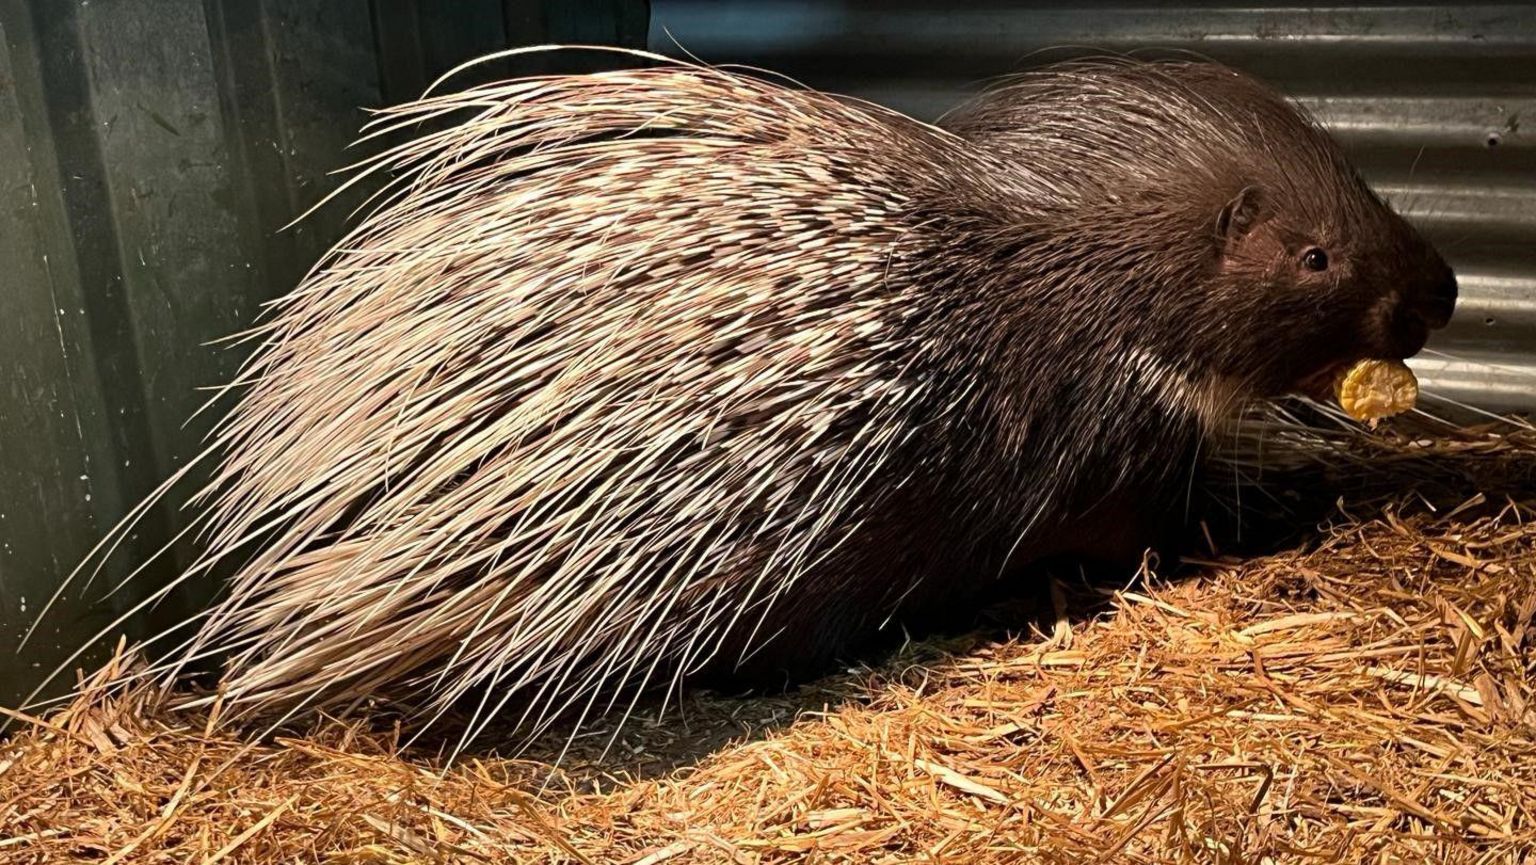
1373	389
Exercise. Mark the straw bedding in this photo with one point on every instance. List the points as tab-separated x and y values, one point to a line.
1366	696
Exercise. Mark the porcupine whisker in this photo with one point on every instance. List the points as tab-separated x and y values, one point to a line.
1459	358
1455	403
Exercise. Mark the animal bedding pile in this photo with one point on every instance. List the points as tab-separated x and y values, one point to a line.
1369	696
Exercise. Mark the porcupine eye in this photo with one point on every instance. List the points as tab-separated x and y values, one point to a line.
1315	260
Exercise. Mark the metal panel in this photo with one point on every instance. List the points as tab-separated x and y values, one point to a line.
1435	102
150	151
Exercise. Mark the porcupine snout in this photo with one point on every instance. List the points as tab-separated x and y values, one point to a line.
1426	305
1437	303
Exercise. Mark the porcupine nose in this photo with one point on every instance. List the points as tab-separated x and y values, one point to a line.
1425	309
1440	301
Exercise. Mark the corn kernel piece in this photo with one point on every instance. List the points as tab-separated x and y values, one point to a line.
1373	389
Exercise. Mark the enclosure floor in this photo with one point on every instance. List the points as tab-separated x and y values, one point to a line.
1367	699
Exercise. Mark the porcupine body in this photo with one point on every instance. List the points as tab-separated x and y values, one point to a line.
647	374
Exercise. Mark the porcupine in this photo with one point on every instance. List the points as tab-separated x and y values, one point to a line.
649	376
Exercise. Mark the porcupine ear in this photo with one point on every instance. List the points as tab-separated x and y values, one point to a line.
1241	214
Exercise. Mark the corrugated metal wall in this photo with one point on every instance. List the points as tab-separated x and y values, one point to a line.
1436	102
149	152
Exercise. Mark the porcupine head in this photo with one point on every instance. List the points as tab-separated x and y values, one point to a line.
1193	240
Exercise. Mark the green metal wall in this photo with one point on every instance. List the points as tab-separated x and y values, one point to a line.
149	152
